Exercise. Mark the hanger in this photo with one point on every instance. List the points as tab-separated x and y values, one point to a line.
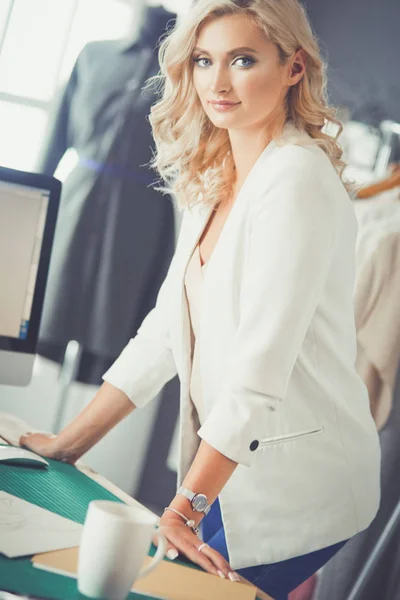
390	182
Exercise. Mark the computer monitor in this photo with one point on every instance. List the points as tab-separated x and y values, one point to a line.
29	205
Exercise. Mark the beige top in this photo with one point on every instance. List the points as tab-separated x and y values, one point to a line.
194	286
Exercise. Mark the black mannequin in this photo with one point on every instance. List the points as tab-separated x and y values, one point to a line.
139	17
115	235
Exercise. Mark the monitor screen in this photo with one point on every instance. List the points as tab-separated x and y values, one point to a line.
23	213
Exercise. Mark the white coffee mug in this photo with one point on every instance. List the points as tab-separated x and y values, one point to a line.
115	541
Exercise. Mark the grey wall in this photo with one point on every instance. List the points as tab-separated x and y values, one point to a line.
361	39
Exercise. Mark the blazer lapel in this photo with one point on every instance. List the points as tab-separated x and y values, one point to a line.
201	215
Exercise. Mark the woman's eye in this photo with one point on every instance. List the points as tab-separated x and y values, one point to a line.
199	59
246	61
249	60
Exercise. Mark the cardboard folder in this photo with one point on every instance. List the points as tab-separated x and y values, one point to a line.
168	581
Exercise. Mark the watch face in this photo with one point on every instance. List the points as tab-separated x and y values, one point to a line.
199	502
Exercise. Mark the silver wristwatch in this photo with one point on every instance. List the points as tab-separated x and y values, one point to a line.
199	502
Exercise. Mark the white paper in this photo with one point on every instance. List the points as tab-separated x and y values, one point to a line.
27	529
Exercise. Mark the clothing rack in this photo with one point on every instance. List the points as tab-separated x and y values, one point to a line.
384	539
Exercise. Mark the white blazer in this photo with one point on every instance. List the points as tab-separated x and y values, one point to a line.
278	348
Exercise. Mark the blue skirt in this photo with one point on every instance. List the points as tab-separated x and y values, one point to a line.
275	579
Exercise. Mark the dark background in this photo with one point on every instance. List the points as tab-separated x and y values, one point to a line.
361	41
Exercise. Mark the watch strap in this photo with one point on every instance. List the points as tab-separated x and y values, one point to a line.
190	495
186	492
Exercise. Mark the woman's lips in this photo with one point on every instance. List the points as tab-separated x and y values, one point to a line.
224	106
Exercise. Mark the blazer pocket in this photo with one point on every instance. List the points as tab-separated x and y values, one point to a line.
291	436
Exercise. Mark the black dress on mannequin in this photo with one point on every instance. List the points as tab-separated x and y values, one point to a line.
115	235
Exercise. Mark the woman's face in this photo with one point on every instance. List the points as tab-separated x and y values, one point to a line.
233	61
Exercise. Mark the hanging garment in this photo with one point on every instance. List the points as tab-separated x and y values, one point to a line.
115	234
377	288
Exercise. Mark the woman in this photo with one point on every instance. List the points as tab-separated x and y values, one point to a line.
276	433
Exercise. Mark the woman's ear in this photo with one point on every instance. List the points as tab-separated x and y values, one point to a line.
297	67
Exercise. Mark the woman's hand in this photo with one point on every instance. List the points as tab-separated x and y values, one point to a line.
184	541
109	406
45	444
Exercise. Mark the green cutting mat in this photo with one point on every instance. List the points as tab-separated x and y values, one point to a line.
66	491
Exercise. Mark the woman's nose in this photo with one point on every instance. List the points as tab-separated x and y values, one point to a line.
220	83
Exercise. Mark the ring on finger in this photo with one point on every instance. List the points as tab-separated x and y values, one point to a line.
200	548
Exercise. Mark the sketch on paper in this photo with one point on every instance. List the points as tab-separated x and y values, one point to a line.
27	529
10	520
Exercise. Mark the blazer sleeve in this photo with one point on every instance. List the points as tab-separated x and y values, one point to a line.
146	363
291	236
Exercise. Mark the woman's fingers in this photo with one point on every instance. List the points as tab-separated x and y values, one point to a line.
187	544
171	552
199	558
45	444
180	540
219	561
183	542
38	442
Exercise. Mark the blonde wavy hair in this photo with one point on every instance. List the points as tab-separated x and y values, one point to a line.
192	155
